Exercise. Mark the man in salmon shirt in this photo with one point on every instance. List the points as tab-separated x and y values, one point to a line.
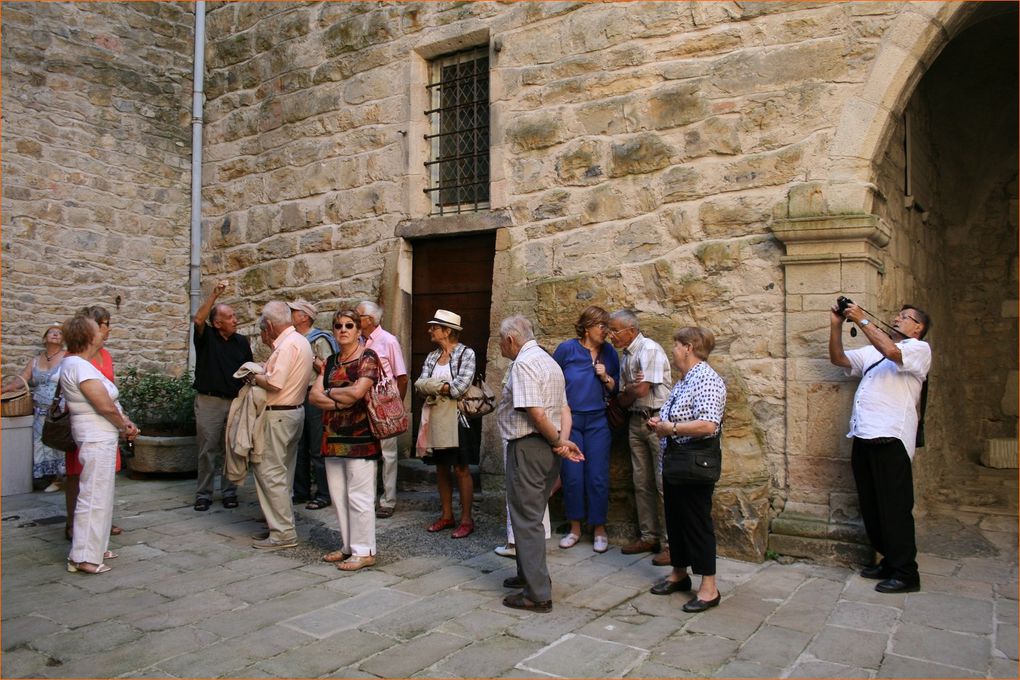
287	372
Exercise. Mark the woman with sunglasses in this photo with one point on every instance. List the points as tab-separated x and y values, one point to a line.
349	448
591	369
451	441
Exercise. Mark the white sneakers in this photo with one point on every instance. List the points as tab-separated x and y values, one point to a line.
569	541
508	550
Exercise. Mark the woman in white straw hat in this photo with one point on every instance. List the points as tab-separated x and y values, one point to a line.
449	440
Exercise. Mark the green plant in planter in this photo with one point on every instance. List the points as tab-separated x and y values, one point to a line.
160	405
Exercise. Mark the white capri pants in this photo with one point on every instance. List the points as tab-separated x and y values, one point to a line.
352	488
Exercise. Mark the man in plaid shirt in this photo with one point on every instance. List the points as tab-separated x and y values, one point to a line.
532	413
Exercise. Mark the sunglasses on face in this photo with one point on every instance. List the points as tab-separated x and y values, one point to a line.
348	325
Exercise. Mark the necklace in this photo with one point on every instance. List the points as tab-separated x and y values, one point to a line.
345	359
49	357
593	351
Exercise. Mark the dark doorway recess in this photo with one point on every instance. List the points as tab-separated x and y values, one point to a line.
452	273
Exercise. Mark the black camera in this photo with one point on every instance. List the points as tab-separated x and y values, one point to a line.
842	302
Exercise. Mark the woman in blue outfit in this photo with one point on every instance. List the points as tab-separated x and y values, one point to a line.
591	369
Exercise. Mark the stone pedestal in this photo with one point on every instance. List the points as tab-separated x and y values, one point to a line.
827	256
164	454
16	442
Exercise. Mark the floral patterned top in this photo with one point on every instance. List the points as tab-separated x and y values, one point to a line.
346	433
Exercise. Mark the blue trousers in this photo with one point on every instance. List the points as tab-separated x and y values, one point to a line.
588	480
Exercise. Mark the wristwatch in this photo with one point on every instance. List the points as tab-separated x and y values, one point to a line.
864	322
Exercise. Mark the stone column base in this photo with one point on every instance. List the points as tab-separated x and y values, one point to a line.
799	535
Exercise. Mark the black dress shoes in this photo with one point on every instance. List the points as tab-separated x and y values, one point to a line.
514	582
895	585
698	605
665	586
876	571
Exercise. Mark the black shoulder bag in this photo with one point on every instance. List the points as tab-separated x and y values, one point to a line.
699	461
56	429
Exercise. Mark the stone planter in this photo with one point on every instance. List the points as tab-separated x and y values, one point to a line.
164	454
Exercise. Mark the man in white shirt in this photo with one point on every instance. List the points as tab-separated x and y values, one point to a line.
883	426
391	356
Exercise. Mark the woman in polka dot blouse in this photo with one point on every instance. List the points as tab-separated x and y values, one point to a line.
693	413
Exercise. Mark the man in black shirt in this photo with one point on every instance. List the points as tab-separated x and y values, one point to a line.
219	352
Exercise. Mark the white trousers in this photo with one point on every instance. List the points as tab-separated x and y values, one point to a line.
93	514
352	488
388	499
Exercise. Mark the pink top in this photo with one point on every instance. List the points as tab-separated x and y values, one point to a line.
289	368
385	344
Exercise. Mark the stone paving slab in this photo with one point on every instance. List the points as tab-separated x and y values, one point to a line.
940	646
580	656
774	647
697	653
188	597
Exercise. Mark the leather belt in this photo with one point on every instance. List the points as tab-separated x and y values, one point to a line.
283	407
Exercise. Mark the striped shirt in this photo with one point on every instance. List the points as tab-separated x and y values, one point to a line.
533	380
646	356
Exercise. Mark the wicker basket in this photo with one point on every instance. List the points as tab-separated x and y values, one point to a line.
17	402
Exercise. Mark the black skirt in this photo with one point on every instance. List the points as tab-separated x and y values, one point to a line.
465	453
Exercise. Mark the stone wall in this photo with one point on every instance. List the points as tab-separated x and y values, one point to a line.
639	152
96	172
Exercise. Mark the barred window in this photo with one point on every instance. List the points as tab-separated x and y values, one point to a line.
458	165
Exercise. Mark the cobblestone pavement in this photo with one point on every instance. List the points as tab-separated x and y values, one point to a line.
189	598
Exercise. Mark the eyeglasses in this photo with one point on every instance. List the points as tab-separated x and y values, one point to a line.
902	315
347	325
104	323
600	326
617	331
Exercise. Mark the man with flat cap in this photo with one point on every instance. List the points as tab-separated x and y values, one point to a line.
310	466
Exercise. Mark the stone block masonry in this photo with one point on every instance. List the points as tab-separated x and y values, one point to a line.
96	173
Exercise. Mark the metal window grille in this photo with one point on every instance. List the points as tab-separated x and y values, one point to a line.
458	162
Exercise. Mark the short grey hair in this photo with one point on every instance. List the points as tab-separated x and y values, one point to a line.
278	313
627	317
371	309
517	326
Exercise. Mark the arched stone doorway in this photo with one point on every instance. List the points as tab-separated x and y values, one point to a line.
922	176
960	160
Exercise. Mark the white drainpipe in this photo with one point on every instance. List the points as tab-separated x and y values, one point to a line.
197	101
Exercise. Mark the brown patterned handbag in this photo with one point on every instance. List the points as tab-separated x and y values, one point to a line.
386	414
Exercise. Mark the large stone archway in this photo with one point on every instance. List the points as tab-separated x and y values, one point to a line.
862	232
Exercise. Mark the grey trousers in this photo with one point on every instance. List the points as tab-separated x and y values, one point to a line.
646	459
531	472
274	475
210	430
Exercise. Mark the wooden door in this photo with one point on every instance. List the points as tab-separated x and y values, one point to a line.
455	274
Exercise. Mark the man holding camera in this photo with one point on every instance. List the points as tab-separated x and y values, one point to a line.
883	426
